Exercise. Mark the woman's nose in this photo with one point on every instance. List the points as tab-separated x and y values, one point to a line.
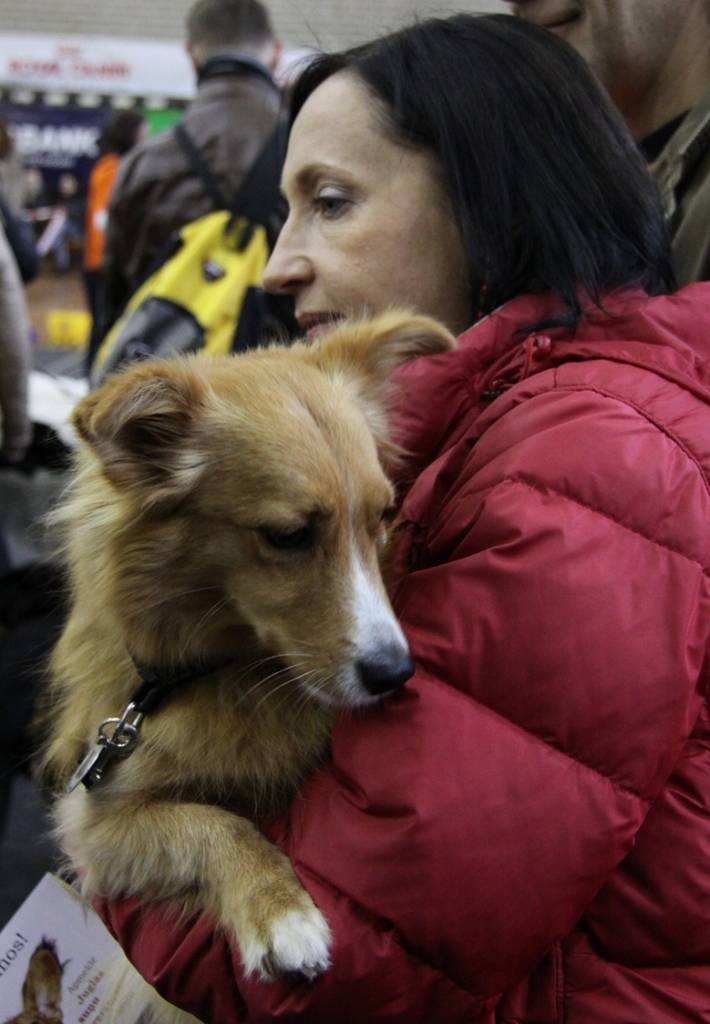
287	270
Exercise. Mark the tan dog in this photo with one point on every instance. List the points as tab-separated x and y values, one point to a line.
226	514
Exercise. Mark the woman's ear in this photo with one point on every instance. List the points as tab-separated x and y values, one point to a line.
142	425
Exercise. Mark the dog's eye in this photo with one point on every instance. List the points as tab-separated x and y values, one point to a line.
290	540
389	514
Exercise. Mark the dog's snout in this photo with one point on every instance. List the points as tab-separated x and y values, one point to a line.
386	670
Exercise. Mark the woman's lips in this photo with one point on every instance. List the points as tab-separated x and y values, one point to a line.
313	324
317	329
560	22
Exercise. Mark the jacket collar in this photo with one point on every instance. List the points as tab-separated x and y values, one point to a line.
232	63
667	334
232	89
682	152
442	396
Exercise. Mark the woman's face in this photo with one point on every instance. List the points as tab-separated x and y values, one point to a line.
370	225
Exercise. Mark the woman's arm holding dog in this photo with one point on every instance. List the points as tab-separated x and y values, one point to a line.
203	857
463	830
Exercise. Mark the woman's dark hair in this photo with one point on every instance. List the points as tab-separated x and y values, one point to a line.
547	186
121	132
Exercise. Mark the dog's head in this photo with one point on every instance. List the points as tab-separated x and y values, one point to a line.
252	492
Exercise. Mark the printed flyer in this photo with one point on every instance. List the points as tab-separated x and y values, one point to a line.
59	964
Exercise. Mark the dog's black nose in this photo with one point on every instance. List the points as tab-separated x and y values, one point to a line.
385	671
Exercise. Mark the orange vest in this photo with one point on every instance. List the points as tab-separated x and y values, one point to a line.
100	184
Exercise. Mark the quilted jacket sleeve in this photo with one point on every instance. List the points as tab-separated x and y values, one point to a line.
551	584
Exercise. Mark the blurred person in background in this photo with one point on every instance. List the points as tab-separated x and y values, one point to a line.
236	109
12	170
653	57
37	197
123	131
15	358
15	438
63	237
521	833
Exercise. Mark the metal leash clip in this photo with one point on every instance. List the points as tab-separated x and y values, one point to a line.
108	748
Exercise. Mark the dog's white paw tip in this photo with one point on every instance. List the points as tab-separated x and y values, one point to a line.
300	944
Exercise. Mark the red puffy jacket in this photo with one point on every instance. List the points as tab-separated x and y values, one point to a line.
522	835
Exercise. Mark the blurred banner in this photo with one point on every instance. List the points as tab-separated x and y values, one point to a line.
95	64
56	141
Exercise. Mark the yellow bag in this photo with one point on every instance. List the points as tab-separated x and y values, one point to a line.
195	300
206	294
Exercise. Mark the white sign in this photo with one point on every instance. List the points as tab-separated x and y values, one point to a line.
59	964
95	64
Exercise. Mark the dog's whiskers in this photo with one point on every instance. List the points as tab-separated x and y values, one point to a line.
259	662
272	692
204	619
167	598
274	675
317	680
260	683
292	680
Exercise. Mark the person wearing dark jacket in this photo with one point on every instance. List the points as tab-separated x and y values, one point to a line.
654	58
521	833
122	131
235	111
15	358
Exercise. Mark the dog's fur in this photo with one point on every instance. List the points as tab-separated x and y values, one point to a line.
193	479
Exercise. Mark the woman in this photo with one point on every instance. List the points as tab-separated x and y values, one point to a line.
520	835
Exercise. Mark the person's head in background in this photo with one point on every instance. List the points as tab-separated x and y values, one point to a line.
67	186
221	27
123	130
653	56
35	188
454	165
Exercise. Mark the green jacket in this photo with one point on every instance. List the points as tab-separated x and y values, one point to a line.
682	172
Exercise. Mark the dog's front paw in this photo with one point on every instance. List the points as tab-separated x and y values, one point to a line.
298	943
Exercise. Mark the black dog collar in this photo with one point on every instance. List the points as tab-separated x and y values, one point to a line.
156	685
117	737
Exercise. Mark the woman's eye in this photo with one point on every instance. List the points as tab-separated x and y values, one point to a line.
301	539
330	205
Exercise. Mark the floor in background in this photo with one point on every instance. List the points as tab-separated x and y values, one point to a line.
50	292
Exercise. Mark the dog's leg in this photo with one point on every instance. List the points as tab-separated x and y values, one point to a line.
165	850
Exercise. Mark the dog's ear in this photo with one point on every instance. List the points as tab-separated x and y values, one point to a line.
363	354
374	348
142	424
